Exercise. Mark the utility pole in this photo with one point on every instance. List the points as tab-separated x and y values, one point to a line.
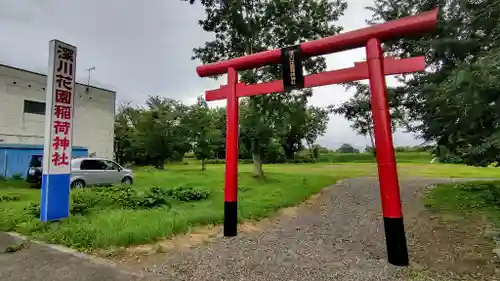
88	80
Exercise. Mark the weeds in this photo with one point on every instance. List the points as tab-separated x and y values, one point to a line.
5	198
109	218
17	177
86	200
33	209
16	247
188	193
472	198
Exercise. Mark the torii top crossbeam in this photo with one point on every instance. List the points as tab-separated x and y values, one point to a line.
424	22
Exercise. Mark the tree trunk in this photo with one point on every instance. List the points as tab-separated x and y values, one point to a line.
257	166
203	165
160	163
289	149
310	151
257	162
374	151
289	153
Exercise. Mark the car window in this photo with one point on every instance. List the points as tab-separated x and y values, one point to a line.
91	165
109	165
115	166
36	161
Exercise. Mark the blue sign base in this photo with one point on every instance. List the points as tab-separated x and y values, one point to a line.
54	204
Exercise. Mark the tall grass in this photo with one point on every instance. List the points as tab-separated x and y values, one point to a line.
471	199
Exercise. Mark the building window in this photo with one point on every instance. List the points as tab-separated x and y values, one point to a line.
34	107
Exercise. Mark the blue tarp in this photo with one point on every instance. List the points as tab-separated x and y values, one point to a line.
15	158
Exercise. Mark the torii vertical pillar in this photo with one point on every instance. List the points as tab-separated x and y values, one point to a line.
232	135
397	251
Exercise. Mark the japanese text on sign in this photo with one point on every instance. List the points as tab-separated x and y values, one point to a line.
62	107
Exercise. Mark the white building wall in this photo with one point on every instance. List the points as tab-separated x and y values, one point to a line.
93	116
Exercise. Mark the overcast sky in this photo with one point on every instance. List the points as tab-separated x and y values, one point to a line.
140	50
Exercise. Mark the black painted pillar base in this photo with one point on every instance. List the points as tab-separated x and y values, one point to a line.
230	219
397	250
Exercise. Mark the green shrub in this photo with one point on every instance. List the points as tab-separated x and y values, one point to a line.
86	200
33	209
17	177
89	197
154	197
302	159
188	193
473	187
121	195
83	200
492	195
487	192
78	209
9	197
126	197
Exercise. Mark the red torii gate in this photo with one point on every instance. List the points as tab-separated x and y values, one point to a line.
374	69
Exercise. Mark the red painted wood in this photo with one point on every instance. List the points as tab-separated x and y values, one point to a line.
412	25
358	72
232	111
386	160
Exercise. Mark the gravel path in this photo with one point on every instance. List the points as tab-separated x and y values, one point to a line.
338	238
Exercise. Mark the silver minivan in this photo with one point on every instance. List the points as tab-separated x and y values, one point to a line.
98	171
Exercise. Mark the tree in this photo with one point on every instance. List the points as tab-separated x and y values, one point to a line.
299	122
291	125
248	26
204	135
358	111
162	130
369	149
219	145
315	125
467	30
465	116
126	119
347	148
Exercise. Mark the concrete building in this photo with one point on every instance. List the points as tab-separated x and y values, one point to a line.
22	112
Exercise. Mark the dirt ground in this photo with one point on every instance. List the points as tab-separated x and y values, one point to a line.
337	234
448	245
22	260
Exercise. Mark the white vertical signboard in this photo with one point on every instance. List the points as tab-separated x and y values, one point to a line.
57	148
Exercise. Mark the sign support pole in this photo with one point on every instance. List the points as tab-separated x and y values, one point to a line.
232	135
58	138
386	161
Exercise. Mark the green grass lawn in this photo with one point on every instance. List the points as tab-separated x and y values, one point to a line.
364	157
105	226
471	199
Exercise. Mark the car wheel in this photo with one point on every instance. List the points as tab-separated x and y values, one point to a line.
127	181
78	184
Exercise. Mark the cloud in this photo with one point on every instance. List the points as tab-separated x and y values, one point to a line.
144	49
